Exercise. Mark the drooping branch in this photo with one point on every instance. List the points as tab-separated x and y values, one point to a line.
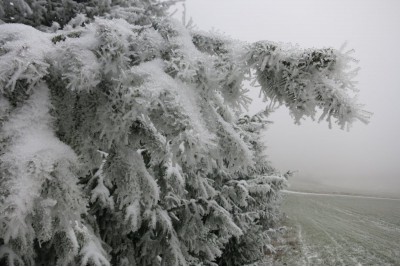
305	80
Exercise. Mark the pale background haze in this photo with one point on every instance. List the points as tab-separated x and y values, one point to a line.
366	159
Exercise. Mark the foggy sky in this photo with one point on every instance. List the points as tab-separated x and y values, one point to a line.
367	157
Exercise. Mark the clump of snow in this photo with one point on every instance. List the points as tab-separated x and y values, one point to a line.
33	156
23	53
186	95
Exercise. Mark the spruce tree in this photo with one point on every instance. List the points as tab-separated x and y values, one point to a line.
123	139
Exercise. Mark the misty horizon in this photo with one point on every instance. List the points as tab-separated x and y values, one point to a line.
363	159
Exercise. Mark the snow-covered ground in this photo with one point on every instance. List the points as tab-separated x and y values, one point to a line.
342	230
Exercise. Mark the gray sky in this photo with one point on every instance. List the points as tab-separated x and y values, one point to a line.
367	157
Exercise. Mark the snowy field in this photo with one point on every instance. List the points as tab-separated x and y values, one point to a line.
342	230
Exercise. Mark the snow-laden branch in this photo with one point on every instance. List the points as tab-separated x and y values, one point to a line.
305	80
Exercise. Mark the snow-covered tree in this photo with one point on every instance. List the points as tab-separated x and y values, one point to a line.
123	139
